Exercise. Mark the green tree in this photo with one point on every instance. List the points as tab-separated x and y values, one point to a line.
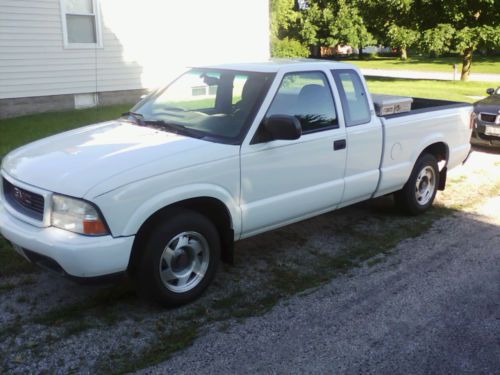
475	24
395	23
438	40
288	48
284	43
283	14
403	38
331	23
469	39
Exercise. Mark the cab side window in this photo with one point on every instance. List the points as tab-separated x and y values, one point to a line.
352	96
308	97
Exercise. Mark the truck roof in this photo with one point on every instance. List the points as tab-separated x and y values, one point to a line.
275	65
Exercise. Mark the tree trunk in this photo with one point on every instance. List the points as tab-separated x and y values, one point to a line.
403	55
466	64
360	56
316	51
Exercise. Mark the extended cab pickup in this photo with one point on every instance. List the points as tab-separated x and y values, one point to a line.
223	153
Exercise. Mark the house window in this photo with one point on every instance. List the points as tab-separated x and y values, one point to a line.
81	23
199	91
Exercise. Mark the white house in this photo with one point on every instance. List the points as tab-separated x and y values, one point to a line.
62	54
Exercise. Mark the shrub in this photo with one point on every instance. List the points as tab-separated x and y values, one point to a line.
288	48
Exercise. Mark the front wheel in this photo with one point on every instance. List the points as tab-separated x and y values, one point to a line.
420	190
180	258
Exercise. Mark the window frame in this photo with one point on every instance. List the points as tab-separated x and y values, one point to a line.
97	23
343	97
328	86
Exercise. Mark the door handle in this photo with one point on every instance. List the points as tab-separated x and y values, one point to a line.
339	144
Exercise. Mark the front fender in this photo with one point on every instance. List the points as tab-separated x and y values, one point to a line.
170	197
130	217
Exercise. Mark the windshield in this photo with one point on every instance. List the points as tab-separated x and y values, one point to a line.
211	103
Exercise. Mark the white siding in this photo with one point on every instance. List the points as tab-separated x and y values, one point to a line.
145	42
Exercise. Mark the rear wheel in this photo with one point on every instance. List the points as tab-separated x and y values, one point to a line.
420	190
180	258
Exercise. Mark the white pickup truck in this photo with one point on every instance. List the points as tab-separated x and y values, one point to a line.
223	153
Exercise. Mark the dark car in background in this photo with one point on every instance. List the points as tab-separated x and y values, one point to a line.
487	129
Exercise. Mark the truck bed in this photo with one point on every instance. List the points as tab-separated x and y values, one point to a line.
424	105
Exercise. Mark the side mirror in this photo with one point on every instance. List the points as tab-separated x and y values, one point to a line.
490	91
283	127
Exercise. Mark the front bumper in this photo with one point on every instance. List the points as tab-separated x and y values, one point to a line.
480	138
77	255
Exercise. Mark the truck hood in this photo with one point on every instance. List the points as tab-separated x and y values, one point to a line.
73	162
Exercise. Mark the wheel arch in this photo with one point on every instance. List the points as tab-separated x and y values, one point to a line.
212	208
441	151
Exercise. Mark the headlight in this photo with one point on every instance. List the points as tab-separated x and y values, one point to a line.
77	216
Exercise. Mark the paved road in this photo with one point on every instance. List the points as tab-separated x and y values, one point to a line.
413	74
433	307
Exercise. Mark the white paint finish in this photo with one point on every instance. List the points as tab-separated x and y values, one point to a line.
414	133
144	44
362	171
73	162
213	171
285	179
131	172
79	256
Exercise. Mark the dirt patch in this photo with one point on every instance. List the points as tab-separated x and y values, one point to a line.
51	324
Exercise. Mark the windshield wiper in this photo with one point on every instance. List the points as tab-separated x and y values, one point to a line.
137	117
175	128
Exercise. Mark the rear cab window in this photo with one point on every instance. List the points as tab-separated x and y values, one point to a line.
353	97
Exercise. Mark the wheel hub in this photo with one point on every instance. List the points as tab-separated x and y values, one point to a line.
184	261
425	185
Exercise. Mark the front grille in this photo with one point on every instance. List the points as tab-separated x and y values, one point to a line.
24	201
488	117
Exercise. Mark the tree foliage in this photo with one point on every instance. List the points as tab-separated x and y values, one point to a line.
284	16
471	25
288	48
403	38
433	26
438	40
332	23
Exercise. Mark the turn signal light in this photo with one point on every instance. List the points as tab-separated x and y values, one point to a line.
94	227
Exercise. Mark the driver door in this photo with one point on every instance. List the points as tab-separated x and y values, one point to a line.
284	181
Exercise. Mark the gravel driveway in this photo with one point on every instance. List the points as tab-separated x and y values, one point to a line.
361	289
432	307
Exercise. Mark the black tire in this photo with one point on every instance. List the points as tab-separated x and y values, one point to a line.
180	225
410	199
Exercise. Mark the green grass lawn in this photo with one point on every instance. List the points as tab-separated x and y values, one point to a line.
480	64
448	90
